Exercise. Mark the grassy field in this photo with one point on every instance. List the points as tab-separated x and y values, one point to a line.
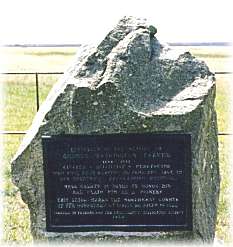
19	109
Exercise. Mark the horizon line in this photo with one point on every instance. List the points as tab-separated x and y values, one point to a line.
77	45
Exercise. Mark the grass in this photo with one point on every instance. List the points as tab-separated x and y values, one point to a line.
36	59
217	58
223	228
16	220
20	94
20	108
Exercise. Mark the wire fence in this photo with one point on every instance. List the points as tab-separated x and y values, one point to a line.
37	95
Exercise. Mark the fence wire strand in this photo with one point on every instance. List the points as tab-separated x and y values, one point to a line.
36	74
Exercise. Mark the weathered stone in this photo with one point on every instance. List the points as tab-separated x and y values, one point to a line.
130	83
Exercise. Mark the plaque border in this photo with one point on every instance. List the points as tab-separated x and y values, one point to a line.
188	226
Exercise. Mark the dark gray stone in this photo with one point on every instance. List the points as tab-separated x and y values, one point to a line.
130	83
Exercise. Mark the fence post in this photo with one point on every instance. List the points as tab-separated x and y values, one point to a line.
37	93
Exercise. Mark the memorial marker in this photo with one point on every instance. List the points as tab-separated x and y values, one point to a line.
131	147
127	182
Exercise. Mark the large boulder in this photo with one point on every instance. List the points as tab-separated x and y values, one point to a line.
129	83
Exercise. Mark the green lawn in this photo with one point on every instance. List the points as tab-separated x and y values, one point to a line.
19	109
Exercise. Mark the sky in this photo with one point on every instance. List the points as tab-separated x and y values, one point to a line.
88	21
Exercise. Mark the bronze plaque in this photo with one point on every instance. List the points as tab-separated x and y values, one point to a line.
118	182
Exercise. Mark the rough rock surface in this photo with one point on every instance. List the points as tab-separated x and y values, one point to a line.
130	83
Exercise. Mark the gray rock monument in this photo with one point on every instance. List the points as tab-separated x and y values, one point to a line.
129	83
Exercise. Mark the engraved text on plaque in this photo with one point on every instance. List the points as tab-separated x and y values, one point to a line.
126	182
